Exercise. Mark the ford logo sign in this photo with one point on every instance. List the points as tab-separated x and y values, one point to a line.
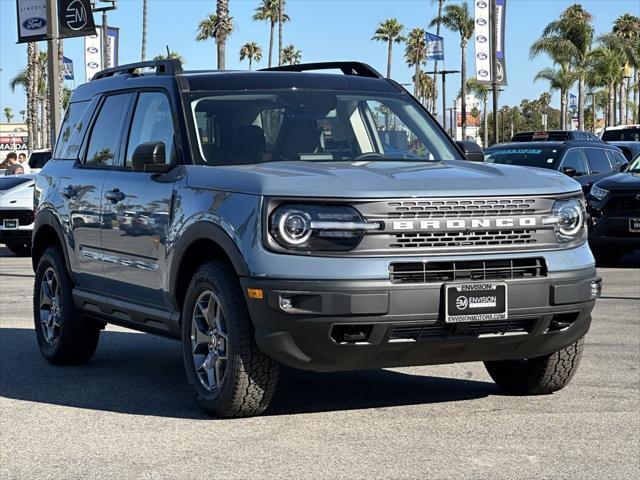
481	4
92	50
482	56
481	21
481	39
34	23
483	73
92	65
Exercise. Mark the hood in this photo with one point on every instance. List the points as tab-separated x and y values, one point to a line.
381	179
621	181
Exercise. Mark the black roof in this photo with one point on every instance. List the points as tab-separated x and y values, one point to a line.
554	144
355	76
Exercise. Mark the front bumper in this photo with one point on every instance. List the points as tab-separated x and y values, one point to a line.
405	322
609	231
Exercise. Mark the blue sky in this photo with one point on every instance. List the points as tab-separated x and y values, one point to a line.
321	29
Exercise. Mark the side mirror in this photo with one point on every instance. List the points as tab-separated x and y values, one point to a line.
149	157
471	150
569	171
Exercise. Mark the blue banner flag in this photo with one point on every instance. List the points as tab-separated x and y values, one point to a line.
573	102
435	47
67	65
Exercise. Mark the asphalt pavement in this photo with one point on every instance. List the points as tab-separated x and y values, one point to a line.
128	413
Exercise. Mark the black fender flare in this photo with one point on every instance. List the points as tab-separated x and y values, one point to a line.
204	230
48	218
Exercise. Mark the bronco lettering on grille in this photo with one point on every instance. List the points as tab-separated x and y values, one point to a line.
464	223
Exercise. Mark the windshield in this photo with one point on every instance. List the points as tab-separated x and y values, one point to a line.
543	157
627	134
314	126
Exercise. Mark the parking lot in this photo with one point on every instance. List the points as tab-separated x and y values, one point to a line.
129	414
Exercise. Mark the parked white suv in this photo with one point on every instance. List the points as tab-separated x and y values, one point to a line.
16	212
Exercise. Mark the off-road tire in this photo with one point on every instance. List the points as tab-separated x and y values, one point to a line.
250	377
77	338
537	376
20	249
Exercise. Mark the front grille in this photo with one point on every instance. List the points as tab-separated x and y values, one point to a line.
25	217
461	208
458	330
457	225
622	206
463	239
434	272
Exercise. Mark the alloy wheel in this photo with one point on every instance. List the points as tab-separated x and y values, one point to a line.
209	340
50	305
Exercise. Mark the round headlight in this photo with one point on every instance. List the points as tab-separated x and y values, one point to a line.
570	218
294	227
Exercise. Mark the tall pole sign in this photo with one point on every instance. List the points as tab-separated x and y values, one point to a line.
52	20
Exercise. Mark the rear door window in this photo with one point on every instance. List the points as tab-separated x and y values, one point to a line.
104	142
598	160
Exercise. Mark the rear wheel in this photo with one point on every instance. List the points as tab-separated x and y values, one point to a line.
537	376
20	249
228	375
63	336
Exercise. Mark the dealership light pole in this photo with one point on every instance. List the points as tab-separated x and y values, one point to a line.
444	74
494	67
53	71
105	36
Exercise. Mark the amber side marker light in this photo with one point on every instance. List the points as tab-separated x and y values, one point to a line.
255	293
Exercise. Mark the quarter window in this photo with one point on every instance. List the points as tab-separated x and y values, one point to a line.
105	138
68	142
152	122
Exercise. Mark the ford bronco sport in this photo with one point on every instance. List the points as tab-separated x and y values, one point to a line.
323	221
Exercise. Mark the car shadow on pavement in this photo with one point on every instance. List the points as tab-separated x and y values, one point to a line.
141	374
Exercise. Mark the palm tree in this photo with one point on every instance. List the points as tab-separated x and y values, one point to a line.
435	65
218	26
171	56
606	69
280	28
426	88
415	54
251	51
291	56
627	27
481	91
569	38
389	31
8	113
144	29
22	114
544	101
457	19
269	11
559	79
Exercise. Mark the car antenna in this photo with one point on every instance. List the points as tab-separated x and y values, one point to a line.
168	52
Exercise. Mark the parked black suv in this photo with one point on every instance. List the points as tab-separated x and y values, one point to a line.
614	207
554	136
586	162
321	221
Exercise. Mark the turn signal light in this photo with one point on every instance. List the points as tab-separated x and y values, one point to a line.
255	293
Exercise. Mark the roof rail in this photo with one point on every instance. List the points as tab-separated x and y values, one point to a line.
167	67
348	68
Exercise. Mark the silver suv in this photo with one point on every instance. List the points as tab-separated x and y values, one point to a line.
321	221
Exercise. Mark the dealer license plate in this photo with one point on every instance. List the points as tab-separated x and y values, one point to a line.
475	302
10	223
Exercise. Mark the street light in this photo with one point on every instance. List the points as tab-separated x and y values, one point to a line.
106	59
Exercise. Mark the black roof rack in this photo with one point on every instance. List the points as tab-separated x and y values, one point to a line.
348	68
166	67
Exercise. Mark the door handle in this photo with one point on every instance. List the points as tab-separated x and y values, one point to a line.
115	196
69	192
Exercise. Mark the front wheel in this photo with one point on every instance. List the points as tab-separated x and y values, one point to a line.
228	375
537	376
